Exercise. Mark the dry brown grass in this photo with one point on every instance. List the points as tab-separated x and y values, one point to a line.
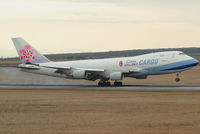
53	111
9	63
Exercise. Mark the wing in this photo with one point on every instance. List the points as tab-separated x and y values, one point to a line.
81	73
90	74
60	70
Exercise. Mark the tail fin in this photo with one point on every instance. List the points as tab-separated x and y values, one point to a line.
27	54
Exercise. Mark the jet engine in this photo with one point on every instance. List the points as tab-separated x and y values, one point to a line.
116	76
79	74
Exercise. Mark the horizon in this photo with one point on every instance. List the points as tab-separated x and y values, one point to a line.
157	49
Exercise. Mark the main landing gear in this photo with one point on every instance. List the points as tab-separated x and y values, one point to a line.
108	84
104	84
117	84
177	77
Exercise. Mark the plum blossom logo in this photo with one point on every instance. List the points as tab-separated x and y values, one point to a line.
121	63
27	53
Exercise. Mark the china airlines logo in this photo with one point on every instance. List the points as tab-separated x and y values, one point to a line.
121	63
27	53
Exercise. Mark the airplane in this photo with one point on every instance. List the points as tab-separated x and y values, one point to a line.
104	70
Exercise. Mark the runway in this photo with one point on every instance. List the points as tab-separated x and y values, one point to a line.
8	79
95	87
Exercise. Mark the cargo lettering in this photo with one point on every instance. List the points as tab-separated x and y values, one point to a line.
148	62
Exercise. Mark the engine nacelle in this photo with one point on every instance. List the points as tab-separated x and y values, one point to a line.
116	76
79	74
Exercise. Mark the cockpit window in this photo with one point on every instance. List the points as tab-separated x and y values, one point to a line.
181	54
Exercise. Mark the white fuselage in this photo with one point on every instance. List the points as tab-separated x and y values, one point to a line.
137	66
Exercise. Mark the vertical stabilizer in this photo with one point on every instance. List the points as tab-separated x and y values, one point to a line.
27	54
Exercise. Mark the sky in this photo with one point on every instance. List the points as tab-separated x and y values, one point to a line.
70	26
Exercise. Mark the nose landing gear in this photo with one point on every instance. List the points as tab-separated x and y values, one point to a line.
177	78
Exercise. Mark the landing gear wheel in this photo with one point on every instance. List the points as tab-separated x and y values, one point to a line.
117	84
100	84
108	84
104	84
177	79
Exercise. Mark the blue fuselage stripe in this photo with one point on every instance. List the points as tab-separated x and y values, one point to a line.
174	66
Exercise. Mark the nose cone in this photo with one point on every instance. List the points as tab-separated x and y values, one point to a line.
195	62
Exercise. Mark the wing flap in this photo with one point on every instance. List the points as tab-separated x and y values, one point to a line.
94	70
56	67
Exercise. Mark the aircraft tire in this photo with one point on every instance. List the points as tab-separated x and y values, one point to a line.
108	84
117	84
104	84
177	79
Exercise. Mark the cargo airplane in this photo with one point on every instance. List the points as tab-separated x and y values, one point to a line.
104	70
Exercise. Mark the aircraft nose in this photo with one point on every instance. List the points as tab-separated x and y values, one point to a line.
195	61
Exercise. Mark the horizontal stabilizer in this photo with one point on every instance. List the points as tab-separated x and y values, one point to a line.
28	66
